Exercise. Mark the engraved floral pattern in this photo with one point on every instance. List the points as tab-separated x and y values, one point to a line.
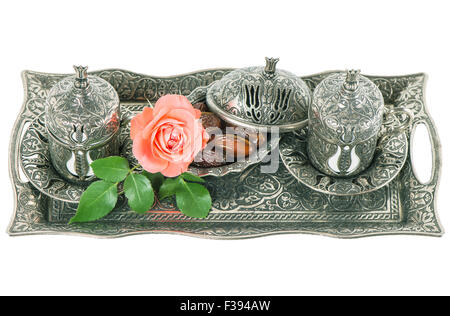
388	161
417	213
249	96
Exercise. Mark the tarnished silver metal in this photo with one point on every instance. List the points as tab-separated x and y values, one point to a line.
82	120
389	158
34	153
245	204
264	149
261	98
344	122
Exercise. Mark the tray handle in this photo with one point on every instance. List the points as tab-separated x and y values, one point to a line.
434	147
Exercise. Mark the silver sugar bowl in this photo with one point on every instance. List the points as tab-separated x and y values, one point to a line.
345	119
261	98
82	119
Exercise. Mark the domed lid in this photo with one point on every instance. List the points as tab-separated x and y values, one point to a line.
346	107
82	111
261	97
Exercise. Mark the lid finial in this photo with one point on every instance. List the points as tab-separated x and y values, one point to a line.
81	80
271	64
351	82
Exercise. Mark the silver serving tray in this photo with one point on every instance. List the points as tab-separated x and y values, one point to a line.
246	204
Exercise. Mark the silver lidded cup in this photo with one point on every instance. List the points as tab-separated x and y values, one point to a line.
345	120
82	119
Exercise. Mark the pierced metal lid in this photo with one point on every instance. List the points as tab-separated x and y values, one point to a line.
347	107
261	97
82	110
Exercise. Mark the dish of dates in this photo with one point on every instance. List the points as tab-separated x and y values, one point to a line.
228	144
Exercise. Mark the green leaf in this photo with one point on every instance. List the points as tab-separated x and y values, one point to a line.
139	192
169	187
193	199
112	169
156	179
97	201
190	177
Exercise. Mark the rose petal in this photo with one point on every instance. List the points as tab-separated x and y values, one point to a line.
143	153
198	113
167	138
140	121
174	101
175	169
156	124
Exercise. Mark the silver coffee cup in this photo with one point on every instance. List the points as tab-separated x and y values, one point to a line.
345	123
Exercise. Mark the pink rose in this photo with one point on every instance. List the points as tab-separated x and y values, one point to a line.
167	137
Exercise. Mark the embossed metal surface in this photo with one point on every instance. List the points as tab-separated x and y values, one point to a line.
35	162
390	156
255	197
82	116
199	95
261	97
95	107
270	203
344	121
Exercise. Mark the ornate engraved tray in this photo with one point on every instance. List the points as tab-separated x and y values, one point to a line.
246	204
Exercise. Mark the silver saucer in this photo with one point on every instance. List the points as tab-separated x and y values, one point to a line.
390	157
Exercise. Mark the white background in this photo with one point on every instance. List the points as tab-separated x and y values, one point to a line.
172	37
